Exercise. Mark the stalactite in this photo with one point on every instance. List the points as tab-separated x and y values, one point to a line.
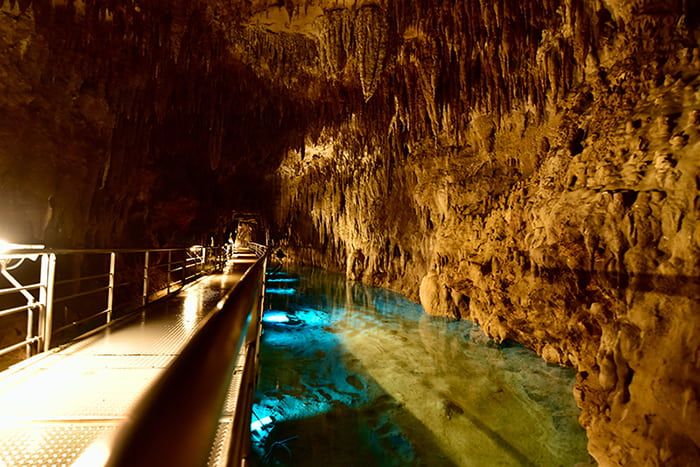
371	36
335	44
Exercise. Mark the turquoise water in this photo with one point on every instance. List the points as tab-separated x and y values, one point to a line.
356	375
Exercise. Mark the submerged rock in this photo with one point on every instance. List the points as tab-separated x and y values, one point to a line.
450	409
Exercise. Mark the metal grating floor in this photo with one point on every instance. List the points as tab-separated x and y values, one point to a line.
49	443
54	407
223	435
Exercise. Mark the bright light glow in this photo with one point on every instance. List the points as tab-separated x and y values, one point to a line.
96	454
281	291
275	317
258	424
196	247
6	246
283	279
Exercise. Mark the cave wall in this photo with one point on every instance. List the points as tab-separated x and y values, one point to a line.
128	124
40	152
533	167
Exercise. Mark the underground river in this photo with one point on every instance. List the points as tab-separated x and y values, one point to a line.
357	375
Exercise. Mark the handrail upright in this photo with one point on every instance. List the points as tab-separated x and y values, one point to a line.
144	300
30	331
46	292
170	265
110	294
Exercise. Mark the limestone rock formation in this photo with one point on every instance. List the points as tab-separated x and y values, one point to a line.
551	196
532	165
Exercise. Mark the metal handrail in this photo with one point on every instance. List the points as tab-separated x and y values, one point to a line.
81	279
18	345
175	423
238	445
20	252
18	289
79	322
40	326
257	248
81	294
17	309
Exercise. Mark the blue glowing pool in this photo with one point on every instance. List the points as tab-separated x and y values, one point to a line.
355	375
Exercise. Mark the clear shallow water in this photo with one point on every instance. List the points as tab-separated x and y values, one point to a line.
356	375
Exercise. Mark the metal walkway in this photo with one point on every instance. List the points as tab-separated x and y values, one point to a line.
64	407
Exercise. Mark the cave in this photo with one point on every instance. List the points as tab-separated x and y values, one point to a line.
529	166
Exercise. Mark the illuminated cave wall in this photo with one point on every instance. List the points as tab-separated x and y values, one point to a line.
531	165
534	167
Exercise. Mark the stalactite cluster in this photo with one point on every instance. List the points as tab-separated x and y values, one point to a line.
371	42
335	40
511	169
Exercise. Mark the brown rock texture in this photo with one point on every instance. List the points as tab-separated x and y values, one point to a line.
538	174
532	165
115	118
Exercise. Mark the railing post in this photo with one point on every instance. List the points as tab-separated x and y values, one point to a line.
43	280
110	292
48	276
30	330
144	297
170	261
184	268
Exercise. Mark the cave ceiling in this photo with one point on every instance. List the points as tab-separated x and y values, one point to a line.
186	107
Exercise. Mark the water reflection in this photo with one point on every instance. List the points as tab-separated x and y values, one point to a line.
280	291
277	280
354	374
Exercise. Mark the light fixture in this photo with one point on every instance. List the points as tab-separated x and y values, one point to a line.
275	317
6	246
10	262
259	424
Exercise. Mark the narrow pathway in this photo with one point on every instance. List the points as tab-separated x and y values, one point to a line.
58	404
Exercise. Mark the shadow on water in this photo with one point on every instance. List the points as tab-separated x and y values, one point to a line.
345	436
355	375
